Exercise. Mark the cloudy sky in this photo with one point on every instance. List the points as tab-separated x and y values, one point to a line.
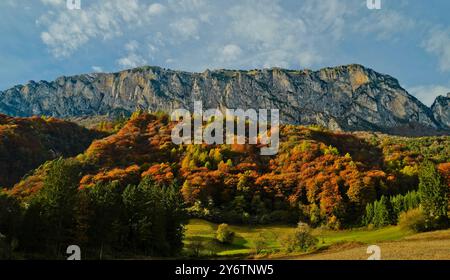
408	39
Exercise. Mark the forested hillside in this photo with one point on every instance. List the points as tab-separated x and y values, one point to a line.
329	176
26	143
319	177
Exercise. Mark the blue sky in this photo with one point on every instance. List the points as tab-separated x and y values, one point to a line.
408	39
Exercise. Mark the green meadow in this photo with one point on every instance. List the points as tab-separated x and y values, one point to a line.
202	233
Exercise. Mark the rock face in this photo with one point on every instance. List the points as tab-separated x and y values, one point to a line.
441	109
348	97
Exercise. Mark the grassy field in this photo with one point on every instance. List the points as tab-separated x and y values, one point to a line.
424	246
200	230
347	244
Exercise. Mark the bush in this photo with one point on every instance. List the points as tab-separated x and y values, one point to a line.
261	242
413	219
195	248
224	234
300	240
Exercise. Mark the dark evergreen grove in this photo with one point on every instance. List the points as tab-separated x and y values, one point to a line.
431	197
106	221
386	210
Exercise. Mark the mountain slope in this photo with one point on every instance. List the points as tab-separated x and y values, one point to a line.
342	98
26	143
330	170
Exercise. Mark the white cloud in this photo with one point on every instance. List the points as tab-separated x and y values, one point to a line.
133	58
64	38
187	5
53	2
327	17
385	24
428	93
67	31
281	38
156	9
268	33
132	46
308	59
97	69
438	44
230	52
199	34
258	23
187	28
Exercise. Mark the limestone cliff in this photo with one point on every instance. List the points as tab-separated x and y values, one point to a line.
348	97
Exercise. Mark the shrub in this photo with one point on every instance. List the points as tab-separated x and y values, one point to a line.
208	165
300	240
195	248
261	242
413	219
224	234
331	151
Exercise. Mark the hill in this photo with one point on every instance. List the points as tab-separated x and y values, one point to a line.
26	143
322	176
130	194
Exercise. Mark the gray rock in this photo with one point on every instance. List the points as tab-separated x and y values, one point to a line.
441	110
348	97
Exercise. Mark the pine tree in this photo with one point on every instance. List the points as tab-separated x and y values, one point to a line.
397	206
433	194
382	216
176	217
155	217
144	215
104	209
51	212
368	217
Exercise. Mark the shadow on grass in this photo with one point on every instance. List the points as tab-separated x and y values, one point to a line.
211	246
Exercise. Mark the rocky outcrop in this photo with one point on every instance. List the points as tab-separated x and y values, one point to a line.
348	97
441	109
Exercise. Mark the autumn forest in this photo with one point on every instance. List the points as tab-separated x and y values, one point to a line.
121	188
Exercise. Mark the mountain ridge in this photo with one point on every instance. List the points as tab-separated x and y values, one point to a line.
349	97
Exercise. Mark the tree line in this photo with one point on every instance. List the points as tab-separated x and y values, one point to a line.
431	197
106	220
